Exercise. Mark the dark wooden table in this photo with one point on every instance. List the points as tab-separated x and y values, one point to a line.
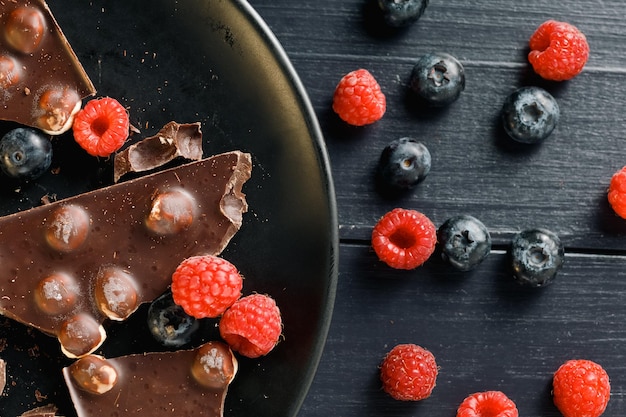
486	332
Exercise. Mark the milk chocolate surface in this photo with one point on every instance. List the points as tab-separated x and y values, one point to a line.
70	265
42	82
183	383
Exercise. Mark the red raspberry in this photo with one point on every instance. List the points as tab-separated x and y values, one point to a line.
101	127
404	239
558	51
487	404
581	388
358	99
617	192
409	372
205	286
252	325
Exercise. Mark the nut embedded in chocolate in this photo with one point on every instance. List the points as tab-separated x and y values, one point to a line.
80	335
172	212
67	228
56	108
57	294
115	293
214	366
24	29
93	374
10	72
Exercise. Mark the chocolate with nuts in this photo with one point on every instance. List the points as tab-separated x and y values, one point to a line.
42	83
182	383
70	265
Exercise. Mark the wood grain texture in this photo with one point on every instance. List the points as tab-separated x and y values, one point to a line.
485	331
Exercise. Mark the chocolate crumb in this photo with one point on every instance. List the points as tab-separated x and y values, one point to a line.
39	396
33	352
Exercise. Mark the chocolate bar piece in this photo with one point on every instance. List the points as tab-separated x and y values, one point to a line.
69	265
174	140
3	375
182	383
42	83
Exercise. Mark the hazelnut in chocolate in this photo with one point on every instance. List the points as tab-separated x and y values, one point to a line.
42	83
70	265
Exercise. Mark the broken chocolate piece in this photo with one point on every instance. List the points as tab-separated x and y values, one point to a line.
174	140
3	375
49	410
66	275
181	383
42	83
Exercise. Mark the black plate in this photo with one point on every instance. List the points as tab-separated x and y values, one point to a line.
216	62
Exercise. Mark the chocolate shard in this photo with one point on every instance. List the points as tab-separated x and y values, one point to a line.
70	265
49	410
3	375
42	83
173	141
182	383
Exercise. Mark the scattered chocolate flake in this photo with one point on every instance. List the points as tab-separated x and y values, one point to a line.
33	352
49	410
39	396
172	141
47	199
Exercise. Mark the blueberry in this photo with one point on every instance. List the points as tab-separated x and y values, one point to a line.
530	114
25	153
399	13
168	322
465	242
438	79
537	255
403	163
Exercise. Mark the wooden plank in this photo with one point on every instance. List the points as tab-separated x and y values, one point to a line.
487	332
560	185
484	329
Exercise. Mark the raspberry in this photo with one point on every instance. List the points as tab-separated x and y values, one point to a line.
205	286
558	51
487	404
617	192
404	239
101	127
252	325
358	99
409	372
581	388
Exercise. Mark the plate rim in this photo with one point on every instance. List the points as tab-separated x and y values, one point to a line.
315	131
